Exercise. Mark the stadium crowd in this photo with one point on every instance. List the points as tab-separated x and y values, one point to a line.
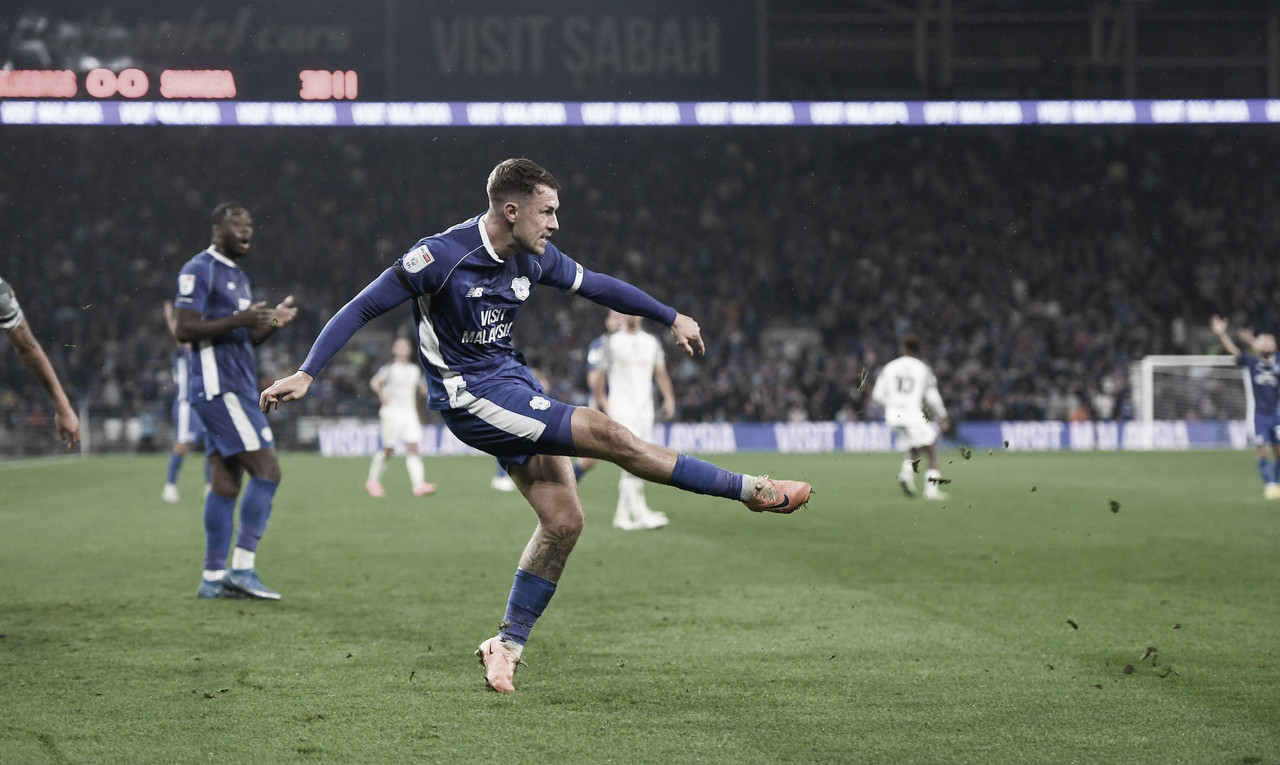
1036	264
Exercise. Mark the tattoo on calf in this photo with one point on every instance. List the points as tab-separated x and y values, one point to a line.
548	551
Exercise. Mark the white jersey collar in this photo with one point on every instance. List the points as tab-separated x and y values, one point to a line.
484	238
220	257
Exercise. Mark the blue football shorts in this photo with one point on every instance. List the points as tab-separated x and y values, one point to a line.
233	424
1265	430
513	421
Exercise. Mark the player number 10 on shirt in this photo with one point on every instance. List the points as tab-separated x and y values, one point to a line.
324	85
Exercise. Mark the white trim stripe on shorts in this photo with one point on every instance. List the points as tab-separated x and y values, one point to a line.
209	370
521	425
184	423
244	427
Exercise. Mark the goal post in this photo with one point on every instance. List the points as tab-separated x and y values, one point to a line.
1189	388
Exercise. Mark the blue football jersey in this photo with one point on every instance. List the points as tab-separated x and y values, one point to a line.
215	286
466	301
1264	375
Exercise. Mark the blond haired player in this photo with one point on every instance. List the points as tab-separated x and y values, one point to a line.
908	391
398	386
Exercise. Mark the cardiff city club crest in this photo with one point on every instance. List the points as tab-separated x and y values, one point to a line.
520	286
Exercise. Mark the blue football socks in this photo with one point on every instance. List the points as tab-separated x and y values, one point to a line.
530	594
255	509
175	464
701	477
219	513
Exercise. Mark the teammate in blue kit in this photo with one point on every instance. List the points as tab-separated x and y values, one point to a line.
215	312
466	286
187	428
1264	374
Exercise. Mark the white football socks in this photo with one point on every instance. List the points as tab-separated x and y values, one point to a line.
377	466
931	478
242	559
413	463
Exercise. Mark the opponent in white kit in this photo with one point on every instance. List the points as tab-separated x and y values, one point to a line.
632	361
398	386
908	391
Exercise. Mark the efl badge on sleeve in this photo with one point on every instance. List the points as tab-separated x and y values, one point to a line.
186	284
416	259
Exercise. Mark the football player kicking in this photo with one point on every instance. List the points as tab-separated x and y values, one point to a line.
466	286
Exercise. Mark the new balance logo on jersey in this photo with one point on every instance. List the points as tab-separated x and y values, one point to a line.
475	292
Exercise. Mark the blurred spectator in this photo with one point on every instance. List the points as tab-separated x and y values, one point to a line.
1038	262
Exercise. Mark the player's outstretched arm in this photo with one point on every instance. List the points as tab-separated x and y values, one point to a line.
380	296
290	388
1219	327
1247	337
688	335
33	356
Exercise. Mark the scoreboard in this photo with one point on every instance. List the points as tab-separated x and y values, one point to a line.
381	50
157	50
132	82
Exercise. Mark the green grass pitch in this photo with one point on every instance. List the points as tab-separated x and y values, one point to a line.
1094	608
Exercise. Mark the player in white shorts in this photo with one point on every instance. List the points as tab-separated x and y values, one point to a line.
913	408
398	386
632	361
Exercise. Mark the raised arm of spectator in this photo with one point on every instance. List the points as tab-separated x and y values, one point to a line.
1247	337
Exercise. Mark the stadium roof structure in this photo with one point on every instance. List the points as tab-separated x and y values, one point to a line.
1022	49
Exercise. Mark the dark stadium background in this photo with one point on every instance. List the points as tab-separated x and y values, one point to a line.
1037	263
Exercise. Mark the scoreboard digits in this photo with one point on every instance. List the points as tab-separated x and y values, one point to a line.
323	85
186	84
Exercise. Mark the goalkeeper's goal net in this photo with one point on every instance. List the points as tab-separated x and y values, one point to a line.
1189	388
